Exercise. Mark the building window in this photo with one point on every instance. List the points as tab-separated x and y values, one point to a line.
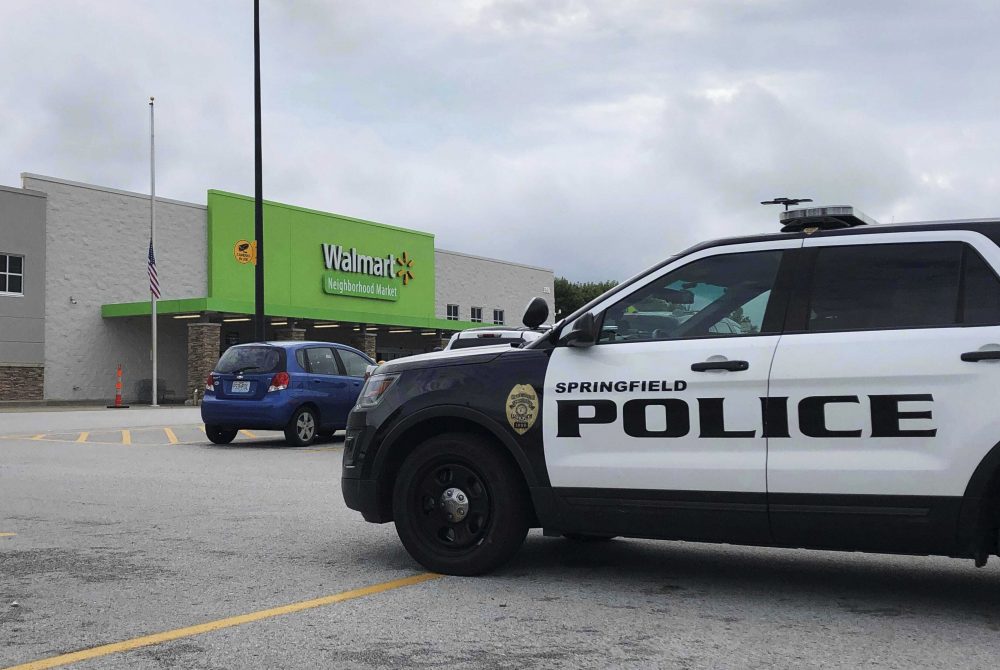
11	274
498	317
453	312
477	315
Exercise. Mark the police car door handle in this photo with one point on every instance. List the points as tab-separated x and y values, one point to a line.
731	366
976	356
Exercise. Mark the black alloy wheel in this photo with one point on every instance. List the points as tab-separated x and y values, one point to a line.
301	428
220	434
460	505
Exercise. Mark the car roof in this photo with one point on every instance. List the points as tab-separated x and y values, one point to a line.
492	329
293	344
988	227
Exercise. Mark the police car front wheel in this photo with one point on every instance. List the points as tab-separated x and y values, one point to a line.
460	505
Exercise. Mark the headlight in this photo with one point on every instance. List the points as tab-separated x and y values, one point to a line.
374	389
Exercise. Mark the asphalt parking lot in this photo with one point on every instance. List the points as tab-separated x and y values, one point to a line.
131	539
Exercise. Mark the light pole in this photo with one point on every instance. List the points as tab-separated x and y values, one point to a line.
258	215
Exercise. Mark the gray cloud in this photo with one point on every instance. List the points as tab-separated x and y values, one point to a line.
591	137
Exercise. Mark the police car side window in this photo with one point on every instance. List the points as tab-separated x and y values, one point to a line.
718	296
886	286
981	292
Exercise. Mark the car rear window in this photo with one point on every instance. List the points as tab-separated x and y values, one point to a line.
251	359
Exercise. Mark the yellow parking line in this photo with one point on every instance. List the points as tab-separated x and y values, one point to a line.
248	433
83	437
178	633
170	435
126	437
39	436
7	534
201	427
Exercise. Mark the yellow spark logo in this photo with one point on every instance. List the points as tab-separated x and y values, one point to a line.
404	271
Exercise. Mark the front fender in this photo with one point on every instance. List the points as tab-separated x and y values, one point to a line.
391	441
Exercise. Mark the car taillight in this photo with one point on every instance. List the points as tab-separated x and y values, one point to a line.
210	382
279	382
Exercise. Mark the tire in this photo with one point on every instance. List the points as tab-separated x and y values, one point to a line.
583	537
301	429
220	434
428	508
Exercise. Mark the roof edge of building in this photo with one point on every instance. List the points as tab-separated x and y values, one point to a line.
106	189
23	191
493	260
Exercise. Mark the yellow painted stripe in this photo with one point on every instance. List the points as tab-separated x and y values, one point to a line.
170	435
83	437
39	436
201	427
7	534
248	433
178	633
126	437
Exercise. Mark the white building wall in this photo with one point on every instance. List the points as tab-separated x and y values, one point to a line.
96	244
473	281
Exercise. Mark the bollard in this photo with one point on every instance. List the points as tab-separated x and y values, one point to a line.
118	390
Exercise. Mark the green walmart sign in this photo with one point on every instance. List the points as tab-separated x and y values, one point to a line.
320	265
346	263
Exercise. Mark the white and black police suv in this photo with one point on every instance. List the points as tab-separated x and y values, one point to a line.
832	386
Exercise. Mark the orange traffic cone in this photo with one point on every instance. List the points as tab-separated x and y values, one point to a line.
118	390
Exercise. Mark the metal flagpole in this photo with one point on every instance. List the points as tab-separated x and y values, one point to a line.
152	235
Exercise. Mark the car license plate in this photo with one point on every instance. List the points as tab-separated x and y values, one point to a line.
241	387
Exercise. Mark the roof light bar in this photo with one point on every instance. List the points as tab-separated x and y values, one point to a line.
824	218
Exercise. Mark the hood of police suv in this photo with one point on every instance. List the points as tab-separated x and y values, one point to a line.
449	357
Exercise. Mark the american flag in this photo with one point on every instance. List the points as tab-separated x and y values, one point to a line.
154	283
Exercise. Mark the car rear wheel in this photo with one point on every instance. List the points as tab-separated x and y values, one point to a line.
301	430
460	506
220	434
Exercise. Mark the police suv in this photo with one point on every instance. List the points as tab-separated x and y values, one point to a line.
849	402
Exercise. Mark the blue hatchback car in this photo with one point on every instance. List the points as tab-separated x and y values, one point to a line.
303	388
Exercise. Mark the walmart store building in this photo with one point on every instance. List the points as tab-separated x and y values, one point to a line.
74	293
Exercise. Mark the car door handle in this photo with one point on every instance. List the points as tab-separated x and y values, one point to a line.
731	366
976	356
317	381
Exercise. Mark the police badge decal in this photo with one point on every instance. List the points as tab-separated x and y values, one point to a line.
522	408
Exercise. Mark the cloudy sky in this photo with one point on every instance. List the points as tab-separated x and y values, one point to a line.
593	137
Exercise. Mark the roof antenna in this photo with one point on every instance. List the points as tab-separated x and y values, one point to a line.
787	202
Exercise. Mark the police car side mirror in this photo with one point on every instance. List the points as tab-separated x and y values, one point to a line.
582	334
535	313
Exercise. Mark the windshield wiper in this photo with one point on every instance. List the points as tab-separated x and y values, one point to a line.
240	371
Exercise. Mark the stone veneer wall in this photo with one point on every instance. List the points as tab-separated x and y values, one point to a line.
367	343
203	342
21	381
